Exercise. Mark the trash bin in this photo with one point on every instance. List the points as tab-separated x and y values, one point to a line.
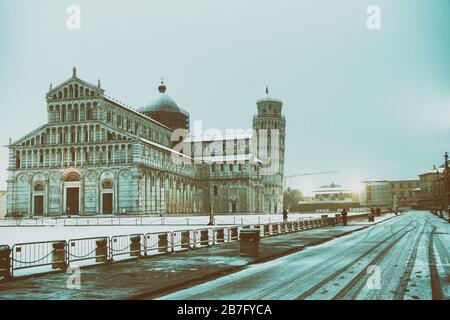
249	242
5	261
371	217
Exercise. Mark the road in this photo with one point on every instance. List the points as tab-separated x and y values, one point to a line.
407	257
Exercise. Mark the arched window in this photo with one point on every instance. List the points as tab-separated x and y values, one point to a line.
73	176
74	115
88	113
63	115
17	160
107	184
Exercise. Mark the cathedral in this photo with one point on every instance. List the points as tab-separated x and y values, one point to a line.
96	155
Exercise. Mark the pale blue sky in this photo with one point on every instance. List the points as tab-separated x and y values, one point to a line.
368	103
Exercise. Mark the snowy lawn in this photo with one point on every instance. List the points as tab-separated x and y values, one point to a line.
45	229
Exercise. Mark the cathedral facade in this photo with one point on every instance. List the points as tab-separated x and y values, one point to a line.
96	155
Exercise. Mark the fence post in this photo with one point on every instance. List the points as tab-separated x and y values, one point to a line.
59	255
101	251
5	261
135	247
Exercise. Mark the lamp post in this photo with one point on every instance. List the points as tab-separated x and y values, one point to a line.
211	214
446	178
436	191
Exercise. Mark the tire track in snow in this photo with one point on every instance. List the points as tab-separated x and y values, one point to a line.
403	284
343	269
444	258
316	271
357	283
436	291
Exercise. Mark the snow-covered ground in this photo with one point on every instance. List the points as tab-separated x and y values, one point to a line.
46	229
403	258
152	220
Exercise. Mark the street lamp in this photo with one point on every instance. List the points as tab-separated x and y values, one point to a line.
211	214
436	191
446	178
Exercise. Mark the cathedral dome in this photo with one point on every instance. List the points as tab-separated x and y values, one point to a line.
165	110
163	103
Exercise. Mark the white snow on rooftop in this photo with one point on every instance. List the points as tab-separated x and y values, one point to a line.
229	158
219	137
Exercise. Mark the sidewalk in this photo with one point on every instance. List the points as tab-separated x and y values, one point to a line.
160	274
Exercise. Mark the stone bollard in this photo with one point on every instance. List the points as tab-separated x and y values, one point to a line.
289	226
338	218
101	251
324	218
59	255
234	233
220	236
204	237
275	228
331	222
249	242
5	262
135	246
266	230
163	243
185	240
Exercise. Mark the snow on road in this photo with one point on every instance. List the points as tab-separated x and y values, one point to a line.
386	261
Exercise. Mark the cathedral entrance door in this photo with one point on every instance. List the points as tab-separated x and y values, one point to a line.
233	207
38	205
107	203
72	201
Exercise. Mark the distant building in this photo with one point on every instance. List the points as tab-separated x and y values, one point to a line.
2	203
428	195
404	192
330	197
375	193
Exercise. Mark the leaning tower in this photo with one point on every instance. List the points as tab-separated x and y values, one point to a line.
269	125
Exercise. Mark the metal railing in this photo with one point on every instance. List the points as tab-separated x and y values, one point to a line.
38	255
48	256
